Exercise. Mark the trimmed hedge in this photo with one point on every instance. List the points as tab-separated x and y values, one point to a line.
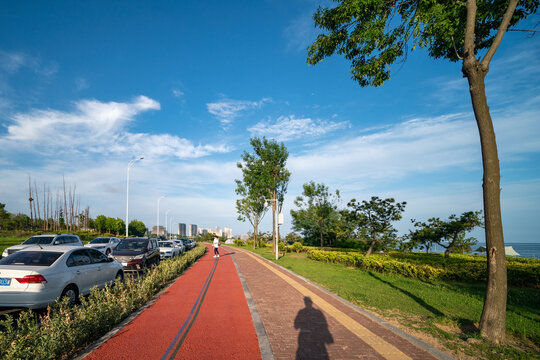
63	331
433	266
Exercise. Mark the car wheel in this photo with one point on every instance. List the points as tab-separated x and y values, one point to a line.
119	275
71	293
158	261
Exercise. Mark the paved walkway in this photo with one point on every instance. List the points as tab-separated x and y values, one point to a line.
242	306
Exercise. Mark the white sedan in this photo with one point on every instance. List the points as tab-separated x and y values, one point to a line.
180	245
168	249
104	244
35	277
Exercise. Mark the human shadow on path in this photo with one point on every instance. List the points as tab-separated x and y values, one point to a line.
314	333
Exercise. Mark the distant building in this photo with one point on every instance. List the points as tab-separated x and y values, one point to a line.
218	231
162	231
193	230
227	233
182	229
204	231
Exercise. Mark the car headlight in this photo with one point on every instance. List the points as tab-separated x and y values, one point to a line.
138	257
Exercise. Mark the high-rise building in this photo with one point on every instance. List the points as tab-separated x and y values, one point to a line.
227	233
193	230
162	230
182	229
218	231
204	231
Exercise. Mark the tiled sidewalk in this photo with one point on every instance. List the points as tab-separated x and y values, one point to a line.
304	322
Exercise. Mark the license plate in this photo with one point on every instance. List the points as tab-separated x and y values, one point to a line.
124	264
5	281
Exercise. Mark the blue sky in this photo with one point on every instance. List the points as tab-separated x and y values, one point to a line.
86	87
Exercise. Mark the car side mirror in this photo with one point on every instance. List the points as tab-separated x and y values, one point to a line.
56	242
110	259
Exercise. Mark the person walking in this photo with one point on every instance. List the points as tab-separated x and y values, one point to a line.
216	246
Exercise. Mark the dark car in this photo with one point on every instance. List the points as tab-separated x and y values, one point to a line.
188	243
137	254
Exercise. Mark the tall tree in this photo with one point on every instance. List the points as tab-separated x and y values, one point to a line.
376	216
253	210
4	216
136	228
318	210
265	176
450	234
374	34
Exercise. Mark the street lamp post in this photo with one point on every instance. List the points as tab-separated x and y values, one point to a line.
157	220
127	192
279	218
166	223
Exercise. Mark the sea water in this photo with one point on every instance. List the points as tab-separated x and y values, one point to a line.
525	250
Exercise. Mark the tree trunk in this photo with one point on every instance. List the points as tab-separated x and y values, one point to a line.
447	253
373	241
493	320
255	232
322	239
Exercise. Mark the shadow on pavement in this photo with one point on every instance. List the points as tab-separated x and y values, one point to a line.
314	333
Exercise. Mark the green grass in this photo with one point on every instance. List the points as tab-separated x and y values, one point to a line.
448	311
8	241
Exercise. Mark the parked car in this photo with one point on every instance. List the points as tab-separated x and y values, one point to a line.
137	254
180	245
36	276
45	240
168	249
104	244
188	243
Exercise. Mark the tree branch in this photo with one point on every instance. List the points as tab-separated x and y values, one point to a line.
500	33
469	30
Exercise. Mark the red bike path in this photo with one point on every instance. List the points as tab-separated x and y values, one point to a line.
203	315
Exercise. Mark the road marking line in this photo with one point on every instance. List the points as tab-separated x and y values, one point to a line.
384	348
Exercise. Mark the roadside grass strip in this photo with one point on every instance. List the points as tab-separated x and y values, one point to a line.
191	317
385	349
64	331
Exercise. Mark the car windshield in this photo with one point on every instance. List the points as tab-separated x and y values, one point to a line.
42	240
100	240
133	245
165	244
31	258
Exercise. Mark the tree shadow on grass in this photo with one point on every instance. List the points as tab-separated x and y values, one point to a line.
418	300
314	333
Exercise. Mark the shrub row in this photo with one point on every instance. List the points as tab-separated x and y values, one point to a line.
520	274
63	331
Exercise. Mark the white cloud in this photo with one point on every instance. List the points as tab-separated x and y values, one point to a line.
422	145
91	118
228	110
178	93
289	128
81	84
13	61
99	127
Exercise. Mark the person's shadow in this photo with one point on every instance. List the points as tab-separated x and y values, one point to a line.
314	333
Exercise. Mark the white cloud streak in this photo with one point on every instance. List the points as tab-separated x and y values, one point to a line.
228	110
289	128
99	127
